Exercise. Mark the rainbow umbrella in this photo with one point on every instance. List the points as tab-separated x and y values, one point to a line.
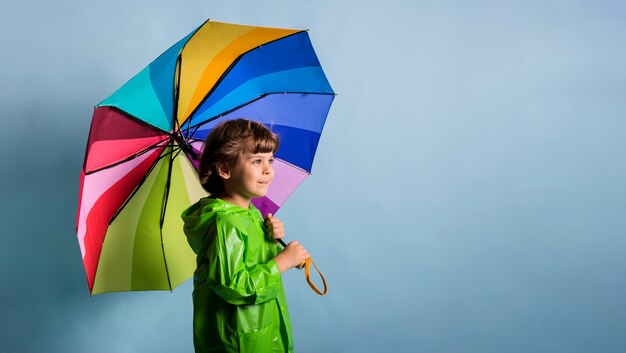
140	168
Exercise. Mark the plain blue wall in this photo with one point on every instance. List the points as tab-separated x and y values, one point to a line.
469	192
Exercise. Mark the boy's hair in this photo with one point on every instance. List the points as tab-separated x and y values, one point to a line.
226	143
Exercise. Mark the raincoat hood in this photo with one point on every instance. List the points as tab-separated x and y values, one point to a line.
199	217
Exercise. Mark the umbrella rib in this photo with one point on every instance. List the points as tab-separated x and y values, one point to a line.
194	131
131	157
139	121
171	134
119	210
135	118
227	71
197	126
139	185
164	209
179	65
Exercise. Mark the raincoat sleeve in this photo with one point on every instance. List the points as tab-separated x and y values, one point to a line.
231	278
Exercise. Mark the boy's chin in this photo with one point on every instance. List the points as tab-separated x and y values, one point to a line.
260	194
262	191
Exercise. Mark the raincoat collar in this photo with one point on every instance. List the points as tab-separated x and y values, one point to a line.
199	217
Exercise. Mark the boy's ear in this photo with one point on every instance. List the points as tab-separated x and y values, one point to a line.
223	171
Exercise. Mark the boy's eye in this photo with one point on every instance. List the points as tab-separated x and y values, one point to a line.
257	161
271	160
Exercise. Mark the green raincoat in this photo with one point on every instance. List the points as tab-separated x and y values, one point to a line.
238	298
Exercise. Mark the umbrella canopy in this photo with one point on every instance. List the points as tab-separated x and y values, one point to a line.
140	167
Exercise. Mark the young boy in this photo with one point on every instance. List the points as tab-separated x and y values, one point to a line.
239	301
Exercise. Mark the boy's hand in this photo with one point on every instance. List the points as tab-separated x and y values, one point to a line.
293	255
275	227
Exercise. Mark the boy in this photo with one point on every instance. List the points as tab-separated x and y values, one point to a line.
238	297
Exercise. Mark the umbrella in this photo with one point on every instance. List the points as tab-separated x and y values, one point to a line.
140	167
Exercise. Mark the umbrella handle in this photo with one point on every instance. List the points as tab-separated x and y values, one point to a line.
307	272
299	267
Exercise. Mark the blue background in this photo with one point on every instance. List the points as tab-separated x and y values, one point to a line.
469	192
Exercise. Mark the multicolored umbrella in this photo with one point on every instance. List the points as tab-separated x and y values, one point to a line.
140	163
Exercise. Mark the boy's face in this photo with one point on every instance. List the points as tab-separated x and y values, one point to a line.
251	177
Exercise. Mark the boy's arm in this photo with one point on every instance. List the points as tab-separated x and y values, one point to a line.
231	279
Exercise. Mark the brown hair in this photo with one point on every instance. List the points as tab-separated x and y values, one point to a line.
224	146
